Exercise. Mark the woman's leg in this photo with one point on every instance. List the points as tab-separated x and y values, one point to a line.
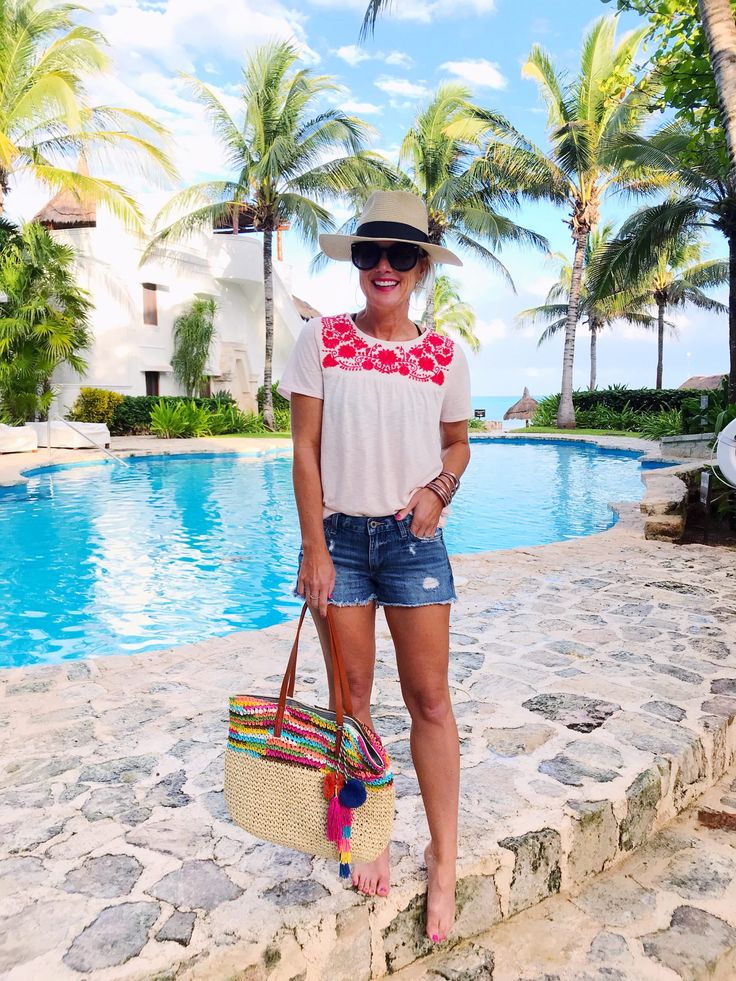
421	638
356	629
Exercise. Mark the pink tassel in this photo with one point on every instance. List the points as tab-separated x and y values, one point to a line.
337	818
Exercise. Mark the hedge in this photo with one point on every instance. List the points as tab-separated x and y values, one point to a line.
638	399
131	414
279	402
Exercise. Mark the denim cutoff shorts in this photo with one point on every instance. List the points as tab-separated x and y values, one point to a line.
379	560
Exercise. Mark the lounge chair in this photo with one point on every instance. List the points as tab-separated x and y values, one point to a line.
83	436
17	439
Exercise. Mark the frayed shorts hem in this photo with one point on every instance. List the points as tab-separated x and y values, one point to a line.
375	599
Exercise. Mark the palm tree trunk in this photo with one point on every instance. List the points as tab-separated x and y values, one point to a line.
593	357
660	343
720	33
566	411
268	419
732	315
428	318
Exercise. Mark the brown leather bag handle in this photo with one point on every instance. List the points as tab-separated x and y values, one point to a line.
343	701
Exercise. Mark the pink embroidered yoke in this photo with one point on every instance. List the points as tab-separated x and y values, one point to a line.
383	402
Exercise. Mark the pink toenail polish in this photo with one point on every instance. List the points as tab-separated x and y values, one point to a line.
435	938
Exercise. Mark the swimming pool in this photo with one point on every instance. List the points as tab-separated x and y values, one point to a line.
103	559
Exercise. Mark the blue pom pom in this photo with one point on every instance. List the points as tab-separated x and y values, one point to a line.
344	870
353	794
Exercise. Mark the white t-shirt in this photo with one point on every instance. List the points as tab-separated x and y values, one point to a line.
383	404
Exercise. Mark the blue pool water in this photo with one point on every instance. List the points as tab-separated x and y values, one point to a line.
106	559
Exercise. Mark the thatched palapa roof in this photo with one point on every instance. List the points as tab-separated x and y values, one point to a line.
703	382
305	310
66	210
523	409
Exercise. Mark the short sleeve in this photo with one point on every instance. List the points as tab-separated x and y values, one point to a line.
303	372
456	403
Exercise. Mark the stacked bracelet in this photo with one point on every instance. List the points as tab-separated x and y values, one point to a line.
445	486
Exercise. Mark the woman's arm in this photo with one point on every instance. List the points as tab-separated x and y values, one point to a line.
317	573
425	504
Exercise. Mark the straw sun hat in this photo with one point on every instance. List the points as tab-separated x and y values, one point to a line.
389	216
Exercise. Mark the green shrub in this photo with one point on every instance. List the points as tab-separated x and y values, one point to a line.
476	425
167	420
180	419
279	402
618	407
196	418
231	419
546	414
655	425
95	405
282	420
133	414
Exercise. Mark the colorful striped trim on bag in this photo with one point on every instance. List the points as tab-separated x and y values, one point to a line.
307	739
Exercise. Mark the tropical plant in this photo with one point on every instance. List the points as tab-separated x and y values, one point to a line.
193	333
463	202
452	315
677	278
659	424
95	405
46	59
705	196
179	420
288	155
584	113
595	313
43	320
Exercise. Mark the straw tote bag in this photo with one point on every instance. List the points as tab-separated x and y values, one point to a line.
309	778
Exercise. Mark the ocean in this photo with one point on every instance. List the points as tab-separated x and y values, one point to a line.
496	405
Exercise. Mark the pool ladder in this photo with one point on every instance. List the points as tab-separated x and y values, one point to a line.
113	456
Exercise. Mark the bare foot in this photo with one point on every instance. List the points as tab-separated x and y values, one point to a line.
440	897
372	878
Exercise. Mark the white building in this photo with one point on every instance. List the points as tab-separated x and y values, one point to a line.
135	306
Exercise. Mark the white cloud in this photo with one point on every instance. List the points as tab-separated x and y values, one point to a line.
399	58
353	54
362	108
401	86
478	72
423	11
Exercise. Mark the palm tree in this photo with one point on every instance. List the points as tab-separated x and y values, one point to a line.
720	34
439	153
677	279
43	319
585	113
45	119
287	155
193	333
452	315
705	198
596	313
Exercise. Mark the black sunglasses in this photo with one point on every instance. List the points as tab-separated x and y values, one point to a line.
402	256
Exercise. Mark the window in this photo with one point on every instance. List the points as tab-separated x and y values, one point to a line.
150	309
152	378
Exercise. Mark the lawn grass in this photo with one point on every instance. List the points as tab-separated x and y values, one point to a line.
573	432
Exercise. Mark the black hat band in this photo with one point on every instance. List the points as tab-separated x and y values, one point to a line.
391	230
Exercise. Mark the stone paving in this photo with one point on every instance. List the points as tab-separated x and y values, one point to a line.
595	688
664	914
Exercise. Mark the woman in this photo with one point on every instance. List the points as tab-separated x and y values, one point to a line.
379	410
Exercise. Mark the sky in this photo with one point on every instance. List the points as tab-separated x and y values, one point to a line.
386	80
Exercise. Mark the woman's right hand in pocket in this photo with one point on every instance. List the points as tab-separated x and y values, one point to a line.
316	579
